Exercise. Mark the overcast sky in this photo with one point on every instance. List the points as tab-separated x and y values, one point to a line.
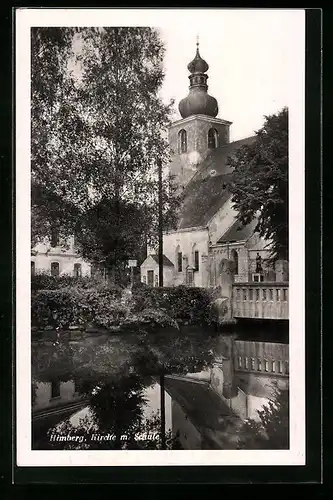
251	56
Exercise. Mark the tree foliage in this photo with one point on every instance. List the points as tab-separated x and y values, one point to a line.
271	432
98	134
259	182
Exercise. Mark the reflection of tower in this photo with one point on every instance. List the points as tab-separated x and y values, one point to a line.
223	372
229	381
199	131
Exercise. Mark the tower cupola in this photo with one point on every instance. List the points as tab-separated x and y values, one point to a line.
198	101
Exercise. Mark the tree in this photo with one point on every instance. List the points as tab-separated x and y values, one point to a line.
271	432
52	122
102	139
259	183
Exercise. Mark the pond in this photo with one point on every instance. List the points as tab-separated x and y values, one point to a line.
187	389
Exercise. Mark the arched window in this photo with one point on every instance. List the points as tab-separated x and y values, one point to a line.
234	256
182	141
195	257
179	259
55	269
212	138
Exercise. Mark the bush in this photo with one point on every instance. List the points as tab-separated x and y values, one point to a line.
44	281
102	306
59	309
183	304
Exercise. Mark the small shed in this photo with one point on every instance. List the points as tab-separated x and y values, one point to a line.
150	271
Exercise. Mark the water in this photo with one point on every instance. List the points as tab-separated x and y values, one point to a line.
106	392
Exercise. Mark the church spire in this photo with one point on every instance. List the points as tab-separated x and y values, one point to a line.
198	101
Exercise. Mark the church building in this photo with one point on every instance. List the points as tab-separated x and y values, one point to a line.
208	233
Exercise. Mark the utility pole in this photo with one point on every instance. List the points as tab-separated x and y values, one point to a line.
160	224
163	440
160	282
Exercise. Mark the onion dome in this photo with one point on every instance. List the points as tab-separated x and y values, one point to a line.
198	101
198	65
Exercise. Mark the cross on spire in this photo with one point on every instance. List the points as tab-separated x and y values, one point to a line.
198	41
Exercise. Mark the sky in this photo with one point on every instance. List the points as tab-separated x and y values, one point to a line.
251	55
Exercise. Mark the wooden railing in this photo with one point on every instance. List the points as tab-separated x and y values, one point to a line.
260	300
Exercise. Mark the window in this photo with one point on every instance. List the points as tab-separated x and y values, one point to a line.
77	270
212	138
234	256
156	280
244	294
252	363
196	260
33	269
259	365
280	366
273	365
180	262
271	294
55	389
250	293
257	294
285	296
55	269
264	297
278	294
54	238
266	365
239	361
258	278
246	363
182	141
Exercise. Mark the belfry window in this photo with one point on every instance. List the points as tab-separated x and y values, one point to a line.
212	138
182	141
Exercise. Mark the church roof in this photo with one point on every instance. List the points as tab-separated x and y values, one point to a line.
238	232
203	199
217	158
166	261
207	191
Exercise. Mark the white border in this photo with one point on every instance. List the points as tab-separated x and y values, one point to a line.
27	18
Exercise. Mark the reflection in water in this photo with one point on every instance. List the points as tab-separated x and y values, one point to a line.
174	390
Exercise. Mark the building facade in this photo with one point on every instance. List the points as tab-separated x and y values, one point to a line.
55	259
208	233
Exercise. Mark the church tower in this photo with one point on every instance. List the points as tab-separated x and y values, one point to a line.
199	131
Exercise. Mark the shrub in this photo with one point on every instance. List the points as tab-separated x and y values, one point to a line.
59	309
102	306
44	281
184	304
